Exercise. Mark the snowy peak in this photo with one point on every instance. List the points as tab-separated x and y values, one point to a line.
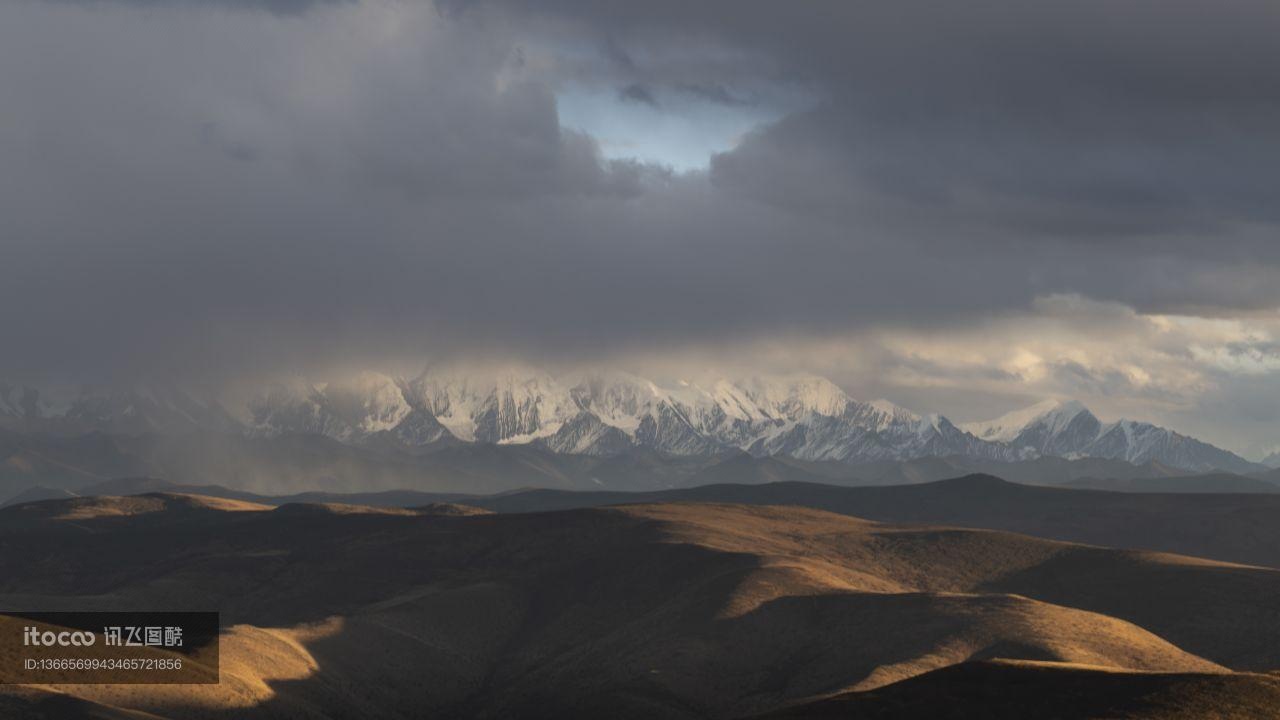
791	397
505	404
1052	414
585	434
131	409
617	399
880	415
1063	428
1067	429
1141	442
607	412
295	406
368	403
18	402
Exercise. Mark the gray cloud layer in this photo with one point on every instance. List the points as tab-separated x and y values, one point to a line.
277	7
198	187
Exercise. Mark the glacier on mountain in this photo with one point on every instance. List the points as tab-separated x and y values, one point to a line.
607	412
1068	429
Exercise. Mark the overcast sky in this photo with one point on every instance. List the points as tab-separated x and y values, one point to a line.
963	207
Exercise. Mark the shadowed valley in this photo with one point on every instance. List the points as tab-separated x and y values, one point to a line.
680	610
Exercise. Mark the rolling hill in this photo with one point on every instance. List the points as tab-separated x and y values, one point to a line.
685	610
1231	527
1008	690
1234	527
1211	483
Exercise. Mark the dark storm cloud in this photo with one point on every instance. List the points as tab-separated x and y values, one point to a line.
279	7
1134	135
713	92
1062	120
210	190
638	93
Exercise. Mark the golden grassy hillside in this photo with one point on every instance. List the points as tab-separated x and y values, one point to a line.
1015	690
670	610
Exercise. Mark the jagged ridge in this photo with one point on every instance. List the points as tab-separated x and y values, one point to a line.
609	412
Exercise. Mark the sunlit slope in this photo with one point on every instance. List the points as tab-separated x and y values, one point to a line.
1223	526
1006	690
676	610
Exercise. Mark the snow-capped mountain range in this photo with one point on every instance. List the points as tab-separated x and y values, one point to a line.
608	412
1068	429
